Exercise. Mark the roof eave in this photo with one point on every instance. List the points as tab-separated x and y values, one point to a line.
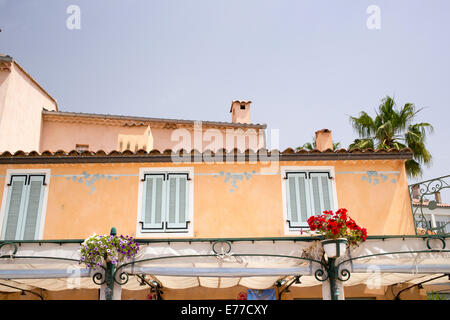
192	157
47	114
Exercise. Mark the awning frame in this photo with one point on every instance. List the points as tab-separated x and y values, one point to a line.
323	271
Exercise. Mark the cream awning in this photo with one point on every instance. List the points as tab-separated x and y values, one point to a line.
253	264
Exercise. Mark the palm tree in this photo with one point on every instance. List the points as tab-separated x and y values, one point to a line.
393	128
312	145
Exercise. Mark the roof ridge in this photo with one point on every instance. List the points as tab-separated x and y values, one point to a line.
150	119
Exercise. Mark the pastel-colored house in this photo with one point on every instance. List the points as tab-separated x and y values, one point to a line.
209	193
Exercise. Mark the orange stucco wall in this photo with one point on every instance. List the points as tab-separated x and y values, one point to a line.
78	206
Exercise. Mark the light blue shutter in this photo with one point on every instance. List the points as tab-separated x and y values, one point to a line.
33	208
297	199
177	201
322	195
153	197
15	204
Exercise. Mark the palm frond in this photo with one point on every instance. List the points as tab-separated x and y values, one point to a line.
362	144
394	128
336	145
413	168
364	124
309	146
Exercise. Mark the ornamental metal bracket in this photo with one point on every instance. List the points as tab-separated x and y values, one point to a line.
221	247
11	252
222	251
441	239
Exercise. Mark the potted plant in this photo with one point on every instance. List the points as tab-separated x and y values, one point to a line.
339	230
98	250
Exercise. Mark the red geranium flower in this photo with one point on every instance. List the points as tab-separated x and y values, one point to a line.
337	225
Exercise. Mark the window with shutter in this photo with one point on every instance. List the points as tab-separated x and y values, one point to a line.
321	192
23	207
177	201
308	193
153	208
297	199
165	202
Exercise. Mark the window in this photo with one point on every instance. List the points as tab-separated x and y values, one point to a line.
23	206
307	193
82	147
166	199
443	223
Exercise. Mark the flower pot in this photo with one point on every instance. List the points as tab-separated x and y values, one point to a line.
335	248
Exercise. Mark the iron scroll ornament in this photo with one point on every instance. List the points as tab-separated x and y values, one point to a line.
121	276
222	244
418	192
429	250
321	275
98	277
441	239
8	243
344	274
340	274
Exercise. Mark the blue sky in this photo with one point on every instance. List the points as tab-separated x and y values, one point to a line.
306	65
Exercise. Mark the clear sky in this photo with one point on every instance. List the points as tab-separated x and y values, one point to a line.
306	65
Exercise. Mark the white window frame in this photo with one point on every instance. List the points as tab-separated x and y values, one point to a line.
285	169
12	172
190	216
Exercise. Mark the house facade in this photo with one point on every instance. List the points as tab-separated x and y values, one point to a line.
217	213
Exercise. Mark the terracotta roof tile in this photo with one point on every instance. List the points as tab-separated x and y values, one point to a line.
155	155
426	202
140	121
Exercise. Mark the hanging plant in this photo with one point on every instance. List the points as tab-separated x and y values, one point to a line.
338	225
97	250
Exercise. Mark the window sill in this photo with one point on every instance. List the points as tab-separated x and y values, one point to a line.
164	234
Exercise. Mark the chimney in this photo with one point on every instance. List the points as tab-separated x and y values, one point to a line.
240	111
437	197
324	140
415	191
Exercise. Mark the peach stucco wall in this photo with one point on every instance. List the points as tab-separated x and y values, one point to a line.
207	138
21	107
4	83
65	136
78	207
62	135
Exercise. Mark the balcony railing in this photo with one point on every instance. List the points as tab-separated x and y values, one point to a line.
430	214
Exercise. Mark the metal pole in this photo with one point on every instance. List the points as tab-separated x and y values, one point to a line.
109	291
332	276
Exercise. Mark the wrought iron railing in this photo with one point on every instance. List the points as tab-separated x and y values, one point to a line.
425	200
